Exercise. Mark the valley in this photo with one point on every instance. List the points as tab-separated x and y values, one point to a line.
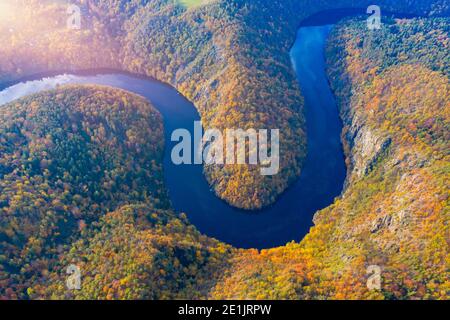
85	175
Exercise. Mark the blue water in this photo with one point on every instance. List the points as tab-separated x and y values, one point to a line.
290	217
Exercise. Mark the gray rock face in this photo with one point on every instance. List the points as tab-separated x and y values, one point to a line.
381	223
366	147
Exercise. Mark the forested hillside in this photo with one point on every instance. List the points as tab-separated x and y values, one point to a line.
138	252
67	158
231	58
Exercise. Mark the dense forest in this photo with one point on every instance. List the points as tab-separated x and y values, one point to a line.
66	159
80	166
138	252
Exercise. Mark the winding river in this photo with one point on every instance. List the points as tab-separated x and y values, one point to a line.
290	217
